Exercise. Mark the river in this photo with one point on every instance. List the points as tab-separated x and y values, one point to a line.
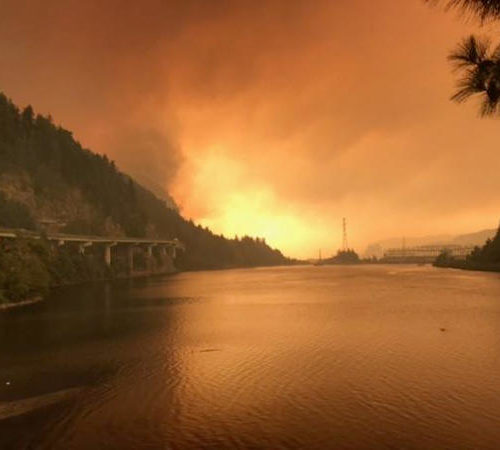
368	357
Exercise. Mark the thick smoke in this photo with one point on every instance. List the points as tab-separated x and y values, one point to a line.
274	118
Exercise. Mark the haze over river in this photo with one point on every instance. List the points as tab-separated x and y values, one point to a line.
367	357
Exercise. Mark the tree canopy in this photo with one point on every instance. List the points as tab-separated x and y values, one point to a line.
476	60
484	9
480	67
36	152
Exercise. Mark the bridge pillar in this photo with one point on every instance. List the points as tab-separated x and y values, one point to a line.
107	253
177	246
165	258
149	257
168	251
130	257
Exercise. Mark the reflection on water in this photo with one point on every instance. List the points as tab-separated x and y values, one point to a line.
301	357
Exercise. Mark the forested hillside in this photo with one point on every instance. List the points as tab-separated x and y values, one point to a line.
486	257
488	254
47	177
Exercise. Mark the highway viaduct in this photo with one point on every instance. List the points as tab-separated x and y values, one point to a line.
165	249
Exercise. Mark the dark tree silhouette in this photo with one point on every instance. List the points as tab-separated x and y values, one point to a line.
480	66
484	9
474	58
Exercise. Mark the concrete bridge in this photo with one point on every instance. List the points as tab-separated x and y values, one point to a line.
165	250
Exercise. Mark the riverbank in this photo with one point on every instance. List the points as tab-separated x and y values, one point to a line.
475	267
172	270
482	259
39	298
30	268
6	306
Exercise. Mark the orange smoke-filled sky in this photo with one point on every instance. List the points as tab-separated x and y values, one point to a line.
273	118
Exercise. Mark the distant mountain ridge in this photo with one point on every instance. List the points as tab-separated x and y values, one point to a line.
478	238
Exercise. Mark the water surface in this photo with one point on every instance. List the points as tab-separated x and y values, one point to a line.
397	357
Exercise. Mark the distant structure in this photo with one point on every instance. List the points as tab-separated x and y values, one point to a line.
425	253
345	255
345	244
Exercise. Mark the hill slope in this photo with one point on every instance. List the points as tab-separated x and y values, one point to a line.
478	238
46	177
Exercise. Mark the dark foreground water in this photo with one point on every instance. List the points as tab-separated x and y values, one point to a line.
301	358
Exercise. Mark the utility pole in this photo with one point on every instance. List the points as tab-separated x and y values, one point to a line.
345	245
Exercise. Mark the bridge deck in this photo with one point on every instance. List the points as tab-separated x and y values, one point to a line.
15	233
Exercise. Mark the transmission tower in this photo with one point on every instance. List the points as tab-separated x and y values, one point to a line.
345	245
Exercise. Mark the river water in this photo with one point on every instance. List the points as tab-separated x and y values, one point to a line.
368	357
